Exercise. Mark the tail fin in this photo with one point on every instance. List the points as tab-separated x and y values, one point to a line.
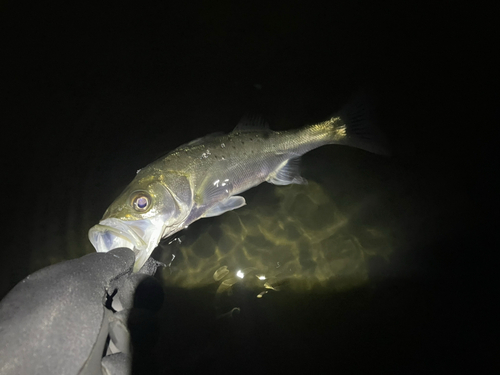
360	130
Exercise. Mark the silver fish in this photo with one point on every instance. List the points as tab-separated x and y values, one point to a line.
204	177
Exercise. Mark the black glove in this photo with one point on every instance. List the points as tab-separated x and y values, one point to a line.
57	320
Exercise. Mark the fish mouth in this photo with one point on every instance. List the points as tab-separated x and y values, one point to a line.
112	233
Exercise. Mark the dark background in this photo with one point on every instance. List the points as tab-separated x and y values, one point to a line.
93	92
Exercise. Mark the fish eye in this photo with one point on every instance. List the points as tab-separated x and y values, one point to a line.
141	201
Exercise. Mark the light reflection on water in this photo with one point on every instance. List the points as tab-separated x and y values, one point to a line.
286	238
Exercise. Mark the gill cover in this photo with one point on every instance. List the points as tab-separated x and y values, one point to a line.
143	214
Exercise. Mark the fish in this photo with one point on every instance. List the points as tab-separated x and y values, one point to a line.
203	178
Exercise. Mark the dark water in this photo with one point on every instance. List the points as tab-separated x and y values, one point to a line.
377	264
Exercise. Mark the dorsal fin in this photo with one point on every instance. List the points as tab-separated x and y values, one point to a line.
251	122
194	142
199	141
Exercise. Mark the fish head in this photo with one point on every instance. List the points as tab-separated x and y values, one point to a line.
138	219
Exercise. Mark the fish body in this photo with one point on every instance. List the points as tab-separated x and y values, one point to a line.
204	177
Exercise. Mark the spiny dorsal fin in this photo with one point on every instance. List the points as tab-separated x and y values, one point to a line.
251	122
194	142
201	140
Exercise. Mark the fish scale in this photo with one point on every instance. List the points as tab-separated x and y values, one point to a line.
203	177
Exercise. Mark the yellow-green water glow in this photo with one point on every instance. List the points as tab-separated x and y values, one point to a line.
297	239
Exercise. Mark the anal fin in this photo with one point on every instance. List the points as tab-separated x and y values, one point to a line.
288	173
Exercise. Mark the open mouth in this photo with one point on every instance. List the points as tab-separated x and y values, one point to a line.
112	233
141	236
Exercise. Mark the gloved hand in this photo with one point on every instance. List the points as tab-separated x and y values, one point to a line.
57	320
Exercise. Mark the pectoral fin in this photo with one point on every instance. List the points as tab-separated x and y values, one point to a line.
288	173
214	191
232	203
